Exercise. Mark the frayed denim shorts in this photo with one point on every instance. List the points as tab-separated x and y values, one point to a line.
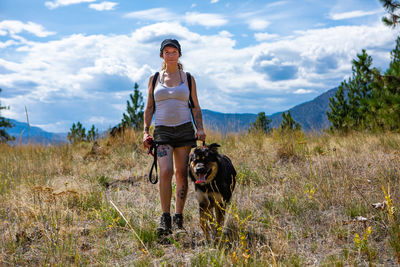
176	136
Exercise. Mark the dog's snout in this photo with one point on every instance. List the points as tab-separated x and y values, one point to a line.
200	168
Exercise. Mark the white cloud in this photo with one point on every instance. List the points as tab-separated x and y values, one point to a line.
303	91
103	6
14	27
214	1
264	36
258	24
205	19
225	34
57	3
191	18
353	14
153	14
91	76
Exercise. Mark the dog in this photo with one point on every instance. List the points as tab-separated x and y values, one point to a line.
214	177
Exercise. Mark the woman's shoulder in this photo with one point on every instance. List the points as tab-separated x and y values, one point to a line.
157	73
187	74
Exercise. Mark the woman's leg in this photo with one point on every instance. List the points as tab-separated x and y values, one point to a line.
181	158
165	161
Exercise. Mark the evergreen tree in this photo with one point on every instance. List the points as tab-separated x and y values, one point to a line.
338	109
359	91
134	116
392	7
4	124
262	124
93	134
385	99
288	123
353	112
77	133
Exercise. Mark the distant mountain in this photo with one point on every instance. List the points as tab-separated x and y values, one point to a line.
227	122
34	134
311	115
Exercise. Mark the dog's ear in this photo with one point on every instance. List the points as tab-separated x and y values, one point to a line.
213	147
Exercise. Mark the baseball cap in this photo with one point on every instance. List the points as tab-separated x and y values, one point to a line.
171	42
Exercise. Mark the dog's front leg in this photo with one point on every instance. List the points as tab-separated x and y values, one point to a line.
220	208
205	214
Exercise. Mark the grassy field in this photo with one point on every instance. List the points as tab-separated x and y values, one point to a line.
300	200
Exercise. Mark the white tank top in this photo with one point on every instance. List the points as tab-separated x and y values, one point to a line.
171	105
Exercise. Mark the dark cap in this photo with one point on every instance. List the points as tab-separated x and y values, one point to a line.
171	42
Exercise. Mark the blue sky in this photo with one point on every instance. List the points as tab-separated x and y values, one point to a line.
77	60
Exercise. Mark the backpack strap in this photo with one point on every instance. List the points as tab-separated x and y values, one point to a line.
153	84
190	103
189	80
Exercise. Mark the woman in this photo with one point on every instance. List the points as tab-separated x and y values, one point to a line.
169	104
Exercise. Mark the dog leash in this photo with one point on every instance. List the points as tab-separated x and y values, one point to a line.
153	151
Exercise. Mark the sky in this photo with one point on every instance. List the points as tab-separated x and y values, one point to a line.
77	60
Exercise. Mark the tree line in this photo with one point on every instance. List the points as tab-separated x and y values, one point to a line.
370	99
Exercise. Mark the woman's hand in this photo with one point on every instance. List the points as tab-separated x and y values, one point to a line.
147	139
200	135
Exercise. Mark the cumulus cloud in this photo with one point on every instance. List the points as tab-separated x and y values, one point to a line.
205	19
303	91
153	14
59	3
353	14
214	1
264	36
103	6
274	67
191	18
258	24
91	76
13	27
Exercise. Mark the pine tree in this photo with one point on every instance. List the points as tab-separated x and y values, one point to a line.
77	133
385	99
262	124
288	123
392	7
4	124
134	116
359	91
338	109
93	134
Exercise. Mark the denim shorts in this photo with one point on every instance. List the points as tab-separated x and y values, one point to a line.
176	136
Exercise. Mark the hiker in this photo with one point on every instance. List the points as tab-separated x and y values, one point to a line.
172	99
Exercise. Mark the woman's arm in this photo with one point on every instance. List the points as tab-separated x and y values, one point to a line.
197	115
148	111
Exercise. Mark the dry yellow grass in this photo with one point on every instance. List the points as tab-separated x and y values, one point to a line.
297	203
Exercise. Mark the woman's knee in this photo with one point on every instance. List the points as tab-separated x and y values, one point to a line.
166	173
181	175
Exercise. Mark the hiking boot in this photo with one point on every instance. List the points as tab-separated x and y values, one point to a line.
165	225
178	222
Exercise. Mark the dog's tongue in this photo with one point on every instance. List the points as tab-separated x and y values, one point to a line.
202	178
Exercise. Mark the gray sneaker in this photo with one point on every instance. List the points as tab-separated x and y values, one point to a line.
165	225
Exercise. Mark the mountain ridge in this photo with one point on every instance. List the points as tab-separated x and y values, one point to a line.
311	115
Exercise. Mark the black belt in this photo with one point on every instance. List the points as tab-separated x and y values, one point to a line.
153	150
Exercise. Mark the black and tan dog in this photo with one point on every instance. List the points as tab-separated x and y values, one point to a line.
215	178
